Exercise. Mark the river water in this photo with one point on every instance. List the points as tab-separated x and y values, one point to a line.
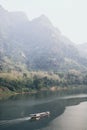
68	111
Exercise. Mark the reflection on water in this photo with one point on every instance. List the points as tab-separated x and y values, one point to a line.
14	112
74	118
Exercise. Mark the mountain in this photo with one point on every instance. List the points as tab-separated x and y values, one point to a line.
35	45
49	49
82	48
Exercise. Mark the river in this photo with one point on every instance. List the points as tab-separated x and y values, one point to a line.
68	111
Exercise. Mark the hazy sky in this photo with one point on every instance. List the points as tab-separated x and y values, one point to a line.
70	16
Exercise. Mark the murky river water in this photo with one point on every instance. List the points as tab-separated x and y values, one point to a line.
68	111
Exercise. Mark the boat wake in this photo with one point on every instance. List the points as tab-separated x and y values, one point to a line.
14	121
32	117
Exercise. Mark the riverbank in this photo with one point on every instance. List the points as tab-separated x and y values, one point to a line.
6	93
32	82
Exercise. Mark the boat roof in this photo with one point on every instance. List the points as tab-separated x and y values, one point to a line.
39	113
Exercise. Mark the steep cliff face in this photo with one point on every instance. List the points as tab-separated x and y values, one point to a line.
35	44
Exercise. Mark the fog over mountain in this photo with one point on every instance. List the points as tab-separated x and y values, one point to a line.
82	48
35	45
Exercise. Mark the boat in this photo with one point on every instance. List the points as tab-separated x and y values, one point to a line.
37	116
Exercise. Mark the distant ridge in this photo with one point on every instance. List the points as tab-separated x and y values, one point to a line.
35	45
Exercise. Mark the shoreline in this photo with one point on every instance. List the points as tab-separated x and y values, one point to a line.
8	93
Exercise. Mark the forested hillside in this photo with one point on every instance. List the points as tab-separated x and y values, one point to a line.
34	55
33	81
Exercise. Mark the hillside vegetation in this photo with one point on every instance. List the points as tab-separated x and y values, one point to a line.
31	81
34	55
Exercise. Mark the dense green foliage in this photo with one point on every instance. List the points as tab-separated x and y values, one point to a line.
26	82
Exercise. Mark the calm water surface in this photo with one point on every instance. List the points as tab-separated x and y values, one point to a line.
68	111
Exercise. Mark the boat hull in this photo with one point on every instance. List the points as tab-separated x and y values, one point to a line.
37	116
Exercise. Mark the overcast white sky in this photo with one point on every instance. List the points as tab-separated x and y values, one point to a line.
70	16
